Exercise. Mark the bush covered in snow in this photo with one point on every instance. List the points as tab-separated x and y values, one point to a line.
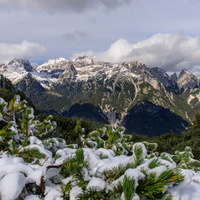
106	164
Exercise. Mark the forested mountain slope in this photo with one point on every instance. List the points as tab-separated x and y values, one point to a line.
111	93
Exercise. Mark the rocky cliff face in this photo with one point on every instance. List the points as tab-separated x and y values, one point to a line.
187	80
160	75
109	90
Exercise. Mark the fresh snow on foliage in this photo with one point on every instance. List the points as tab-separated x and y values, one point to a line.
96	183
34	168
11	185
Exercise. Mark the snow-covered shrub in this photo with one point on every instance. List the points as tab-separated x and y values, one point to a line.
185	160
20	124
119	177
105	165
109	138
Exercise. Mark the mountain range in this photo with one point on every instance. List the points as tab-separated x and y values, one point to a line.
144	100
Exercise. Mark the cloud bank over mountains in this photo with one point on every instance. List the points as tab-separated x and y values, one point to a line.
53	6
171	52
66	27
25	50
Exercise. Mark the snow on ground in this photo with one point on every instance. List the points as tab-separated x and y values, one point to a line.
15	174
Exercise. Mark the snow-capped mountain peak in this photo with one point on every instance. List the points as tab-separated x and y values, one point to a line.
56	63
84	68
113	88
84	59
16	69
21	64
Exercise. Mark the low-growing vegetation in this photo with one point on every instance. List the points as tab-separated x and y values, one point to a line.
100	164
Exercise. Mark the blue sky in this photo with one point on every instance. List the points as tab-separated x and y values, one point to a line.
158	33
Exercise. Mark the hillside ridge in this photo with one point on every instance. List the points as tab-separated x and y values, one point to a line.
114	88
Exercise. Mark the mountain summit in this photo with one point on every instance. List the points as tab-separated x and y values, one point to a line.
119	93
187	80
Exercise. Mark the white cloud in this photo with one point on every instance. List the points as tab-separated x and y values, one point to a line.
61	5
172	52
24	50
